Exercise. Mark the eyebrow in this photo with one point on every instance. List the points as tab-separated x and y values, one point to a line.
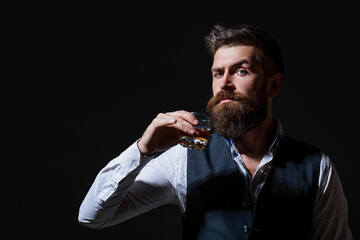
236	64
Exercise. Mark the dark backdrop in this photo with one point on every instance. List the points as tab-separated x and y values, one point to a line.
80	81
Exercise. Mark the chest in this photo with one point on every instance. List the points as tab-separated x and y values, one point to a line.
219	201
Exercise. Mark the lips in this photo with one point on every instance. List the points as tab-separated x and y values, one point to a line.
225	100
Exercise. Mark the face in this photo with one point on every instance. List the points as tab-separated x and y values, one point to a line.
237	68
240	99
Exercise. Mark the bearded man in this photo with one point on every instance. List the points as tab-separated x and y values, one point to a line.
252	181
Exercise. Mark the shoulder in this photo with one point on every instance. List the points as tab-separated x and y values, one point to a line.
296	144
298	150
299	158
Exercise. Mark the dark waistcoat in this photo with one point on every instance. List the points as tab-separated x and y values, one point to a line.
218	202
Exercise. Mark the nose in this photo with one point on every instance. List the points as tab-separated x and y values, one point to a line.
226	82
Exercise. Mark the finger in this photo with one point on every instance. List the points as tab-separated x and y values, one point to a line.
185	115
161	121
165	120
185	127
179	120
172	118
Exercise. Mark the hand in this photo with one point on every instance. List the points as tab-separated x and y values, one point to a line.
164	131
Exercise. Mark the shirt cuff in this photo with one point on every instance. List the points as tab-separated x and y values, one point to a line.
143	156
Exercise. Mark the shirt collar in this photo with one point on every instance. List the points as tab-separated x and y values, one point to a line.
279	133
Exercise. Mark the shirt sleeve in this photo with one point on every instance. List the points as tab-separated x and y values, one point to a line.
126	187
330	215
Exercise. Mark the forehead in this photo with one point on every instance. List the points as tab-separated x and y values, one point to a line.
227	55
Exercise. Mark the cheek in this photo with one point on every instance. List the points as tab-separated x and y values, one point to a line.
215	88
251	84
243	87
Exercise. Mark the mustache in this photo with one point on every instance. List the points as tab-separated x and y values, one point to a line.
229	95
248	101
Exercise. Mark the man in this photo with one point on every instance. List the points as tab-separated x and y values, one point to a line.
251	182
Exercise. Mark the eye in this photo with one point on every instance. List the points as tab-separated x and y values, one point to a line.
218	74
241	72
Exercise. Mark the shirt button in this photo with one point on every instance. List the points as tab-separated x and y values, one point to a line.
245	229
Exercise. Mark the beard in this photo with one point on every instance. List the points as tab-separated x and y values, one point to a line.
235	118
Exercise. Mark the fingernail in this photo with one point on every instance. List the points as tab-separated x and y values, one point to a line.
196	122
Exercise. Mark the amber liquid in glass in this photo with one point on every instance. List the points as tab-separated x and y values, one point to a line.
198	142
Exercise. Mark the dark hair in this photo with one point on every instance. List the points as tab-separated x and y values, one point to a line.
249	36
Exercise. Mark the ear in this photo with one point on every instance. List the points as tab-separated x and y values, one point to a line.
275	82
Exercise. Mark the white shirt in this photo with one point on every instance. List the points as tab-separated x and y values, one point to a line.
132	184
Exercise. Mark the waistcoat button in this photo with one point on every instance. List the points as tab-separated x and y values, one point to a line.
245	229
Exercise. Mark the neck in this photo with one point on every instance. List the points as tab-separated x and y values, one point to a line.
256	142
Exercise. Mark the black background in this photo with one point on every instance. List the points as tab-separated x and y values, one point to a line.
81	80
